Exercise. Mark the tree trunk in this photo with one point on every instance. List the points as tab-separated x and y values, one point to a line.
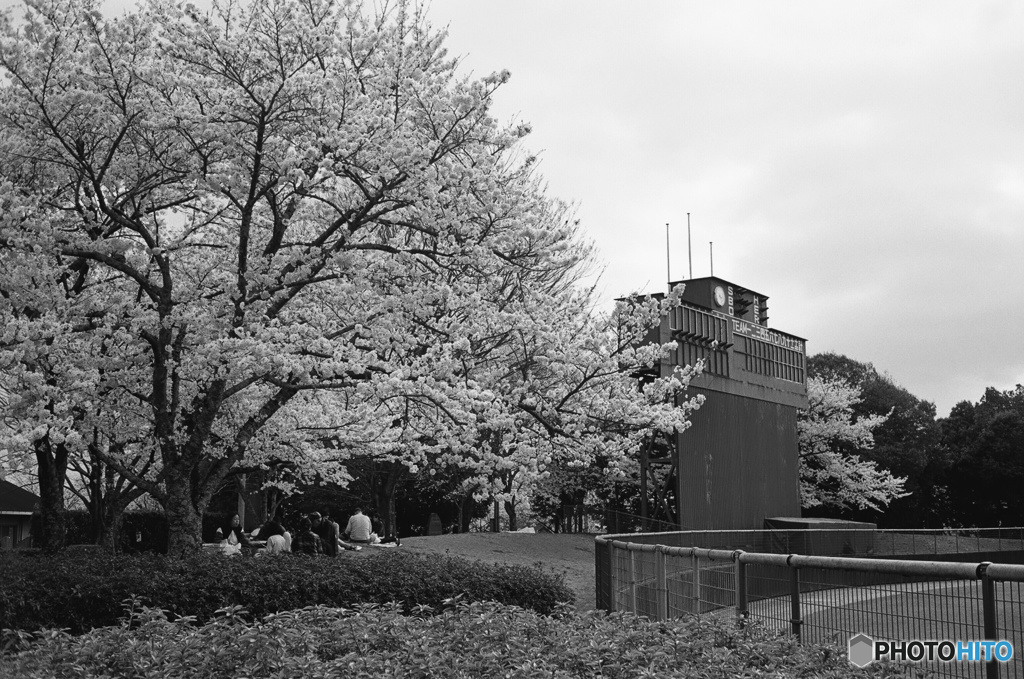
112	501
52	465
509	479
466	512
184	520
95	500
273	502
113	521
391	520
383	486
510	509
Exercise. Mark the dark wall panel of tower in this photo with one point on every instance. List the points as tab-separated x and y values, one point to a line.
738	463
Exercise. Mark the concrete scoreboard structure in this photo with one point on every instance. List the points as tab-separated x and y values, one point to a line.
737	464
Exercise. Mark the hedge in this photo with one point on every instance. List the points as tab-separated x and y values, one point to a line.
466	640
83	590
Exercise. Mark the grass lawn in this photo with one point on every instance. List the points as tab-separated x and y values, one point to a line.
568	554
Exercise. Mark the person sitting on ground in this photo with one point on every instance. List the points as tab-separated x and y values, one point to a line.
274	535
306	541
376	524
359	527
234	537
328	532
315	520
285	533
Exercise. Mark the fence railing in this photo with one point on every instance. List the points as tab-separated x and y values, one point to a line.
890	596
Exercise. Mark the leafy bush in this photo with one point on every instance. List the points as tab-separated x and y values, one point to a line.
466	640
84	590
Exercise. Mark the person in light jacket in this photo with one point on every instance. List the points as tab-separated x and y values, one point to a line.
359	527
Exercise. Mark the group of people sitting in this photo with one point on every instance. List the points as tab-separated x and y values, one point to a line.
315	534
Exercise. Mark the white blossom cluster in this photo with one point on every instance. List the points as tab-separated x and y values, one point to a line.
831	474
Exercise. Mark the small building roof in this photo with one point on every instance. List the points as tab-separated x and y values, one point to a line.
14	500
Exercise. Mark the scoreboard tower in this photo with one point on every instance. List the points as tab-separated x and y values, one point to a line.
737	464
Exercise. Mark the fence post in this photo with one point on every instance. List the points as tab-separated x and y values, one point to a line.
613	579
741	587
661	589
794	596
988	599
631	573
696	584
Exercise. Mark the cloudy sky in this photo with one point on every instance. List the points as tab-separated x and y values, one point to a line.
861	163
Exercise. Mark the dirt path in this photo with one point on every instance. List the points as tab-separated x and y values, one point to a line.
571	555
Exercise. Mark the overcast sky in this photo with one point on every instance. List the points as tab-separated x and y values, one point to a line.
861	163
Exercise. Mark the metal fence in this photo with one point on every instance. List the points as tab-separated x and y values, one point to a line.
898	594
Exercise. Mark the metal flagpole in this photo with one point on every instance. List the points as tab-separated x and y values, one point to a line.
668	257
689	246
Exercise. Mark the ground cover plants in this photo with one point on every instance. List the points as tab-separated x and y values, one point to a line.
81	591
463	640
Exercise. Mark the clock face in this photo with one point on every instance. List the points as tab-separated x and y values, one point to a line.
719	295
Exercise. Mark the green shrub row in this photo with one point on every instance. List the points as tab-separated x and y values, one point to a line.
81	591
466	640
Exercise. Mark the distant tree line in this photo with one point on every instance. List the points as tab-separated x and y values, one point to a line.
965	470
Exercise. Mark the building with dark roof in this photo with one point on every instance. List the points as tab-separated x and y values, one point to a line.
16	508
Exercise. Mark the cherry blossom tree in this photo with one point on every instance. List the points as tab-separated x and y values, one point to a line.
288	232
832	474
